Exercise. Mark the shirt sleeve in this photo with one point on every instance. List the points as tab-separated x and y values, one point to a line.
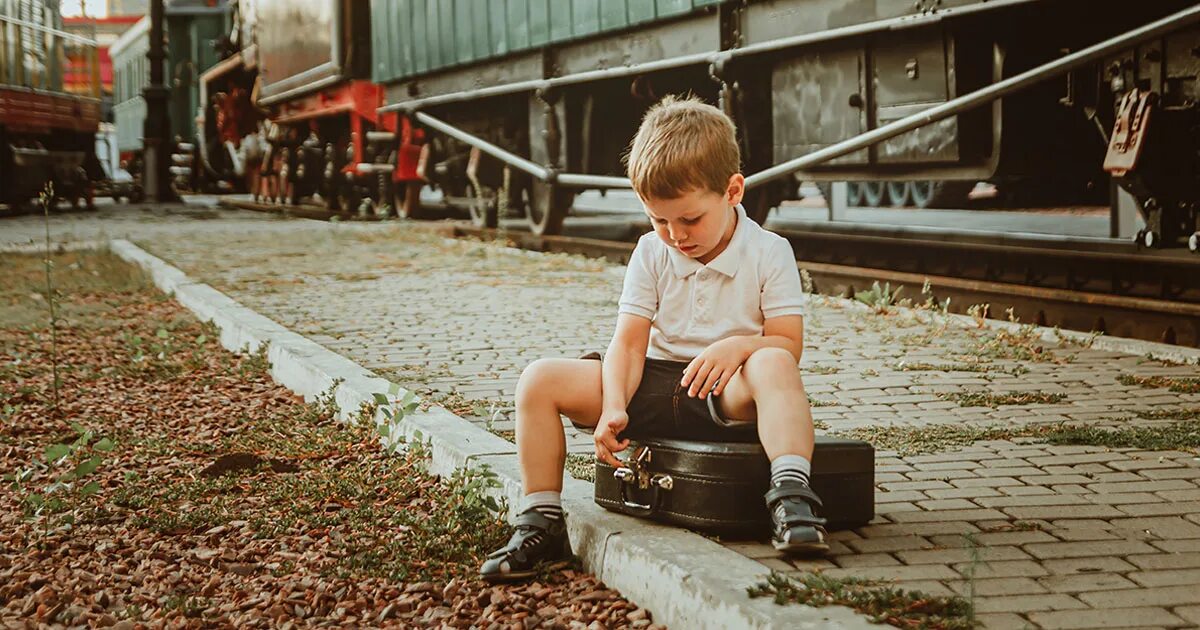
782	292
639	296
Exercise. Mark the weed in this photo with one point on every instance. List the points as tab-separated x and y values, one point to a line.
882	604
581	466
880	298
917	366
1181	385
69	463
984	399
47	199
1172	437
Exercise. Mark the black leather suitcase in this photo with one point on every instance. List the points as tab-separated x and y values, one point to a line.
718	487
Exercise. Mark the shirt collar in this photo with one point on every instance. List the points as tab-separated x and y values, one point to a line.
727	263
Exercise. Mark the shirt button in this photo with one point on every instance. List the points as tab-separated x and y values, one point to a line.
703	275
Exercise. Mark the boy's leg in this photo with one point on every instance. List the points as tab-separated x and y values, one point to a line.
547	388
768	390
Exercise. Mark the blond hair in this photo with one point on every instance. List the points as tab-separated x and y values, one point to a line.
681	146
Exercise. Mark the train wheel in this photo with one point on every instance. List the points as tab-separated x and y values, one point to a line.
546	206
873	194
408	200
899	193
485	212
854	194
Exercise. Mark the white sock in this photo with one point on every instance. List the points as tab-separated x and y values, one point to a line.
790	468
547	503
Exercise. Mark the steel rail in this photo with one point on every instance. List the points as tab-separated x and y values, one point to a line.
79	39
982	96
795	41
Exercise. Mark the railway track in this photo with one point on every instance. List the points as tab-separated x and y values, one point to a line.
1150	295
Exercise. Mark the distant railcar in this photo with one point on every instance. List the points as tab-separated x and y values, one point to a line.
47	135
197	36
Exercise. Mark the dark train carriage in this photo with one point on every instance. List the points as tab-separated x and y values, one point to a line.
46	134
531	100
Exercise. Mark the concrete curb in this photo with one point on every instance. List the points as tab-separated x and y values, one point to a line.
685	579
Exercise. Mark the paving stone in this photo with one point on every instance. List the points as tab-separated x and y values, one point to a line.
861	560
1186	560
1158	526
899	506
897	573
1096	564
1019	491
1172	473
1070	488
1031	500
889	544
901	486
1080	458
945	515
1144	464
1082	534
916	529
962	493
1110	618
1189	494
986	482
1163	596
1069	511
1002	621
1124	498
902	495
1177	546
1190	613
946	504
1161	486
1082	582
1166	577
988	539
1046	551
1001	568
1028	603
927	587
943	475
962	554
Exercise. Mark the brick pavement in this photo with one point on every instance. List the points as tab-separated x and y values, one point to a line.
1039	535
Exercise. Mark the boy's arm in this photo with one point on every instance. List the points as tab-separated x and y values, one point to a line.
621	374
716	365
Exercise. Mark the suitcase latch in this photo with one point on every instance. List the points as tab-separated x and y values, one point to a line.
637	474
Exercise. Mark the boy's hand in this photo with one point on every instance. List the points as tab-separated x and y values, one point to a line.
605	436
714	367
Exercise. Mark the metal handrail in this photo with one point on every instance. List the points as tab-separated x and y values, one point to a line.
866	28
79	39
952	107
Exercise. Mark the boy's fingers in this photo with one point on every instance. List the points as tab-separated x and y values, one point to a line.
710	382
689	372
701	377
724	380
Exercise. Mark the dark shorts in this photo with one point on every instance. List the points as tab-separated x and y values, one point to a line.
662	408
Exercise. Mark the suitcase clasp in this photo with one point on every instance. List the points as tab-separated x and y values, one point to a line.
637	474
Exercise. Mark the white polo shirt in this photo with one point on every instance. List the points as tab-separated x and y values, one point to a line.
692	305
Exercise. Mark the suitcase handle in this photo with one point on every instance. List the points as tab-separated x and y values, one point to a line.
628	477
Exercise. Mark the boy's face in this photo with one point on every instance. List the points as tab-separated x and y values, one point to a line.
699	223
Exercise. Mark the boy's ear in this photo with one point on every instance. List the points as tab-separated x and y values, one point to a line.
736	189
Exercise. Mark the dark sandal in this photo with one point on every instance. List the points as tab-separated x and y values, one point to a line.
520	558
797	529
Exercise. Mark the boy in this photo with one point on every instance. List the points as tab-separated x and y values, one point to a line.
709	334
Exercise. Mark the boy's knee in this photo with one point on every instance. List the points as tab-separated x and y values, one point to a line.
537	379
768	365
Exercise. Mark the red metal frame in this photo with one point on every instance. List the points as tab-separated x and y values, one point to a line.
361	101
40	112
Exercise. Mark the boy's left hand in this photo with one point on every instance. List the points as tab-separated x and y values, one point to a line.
714	367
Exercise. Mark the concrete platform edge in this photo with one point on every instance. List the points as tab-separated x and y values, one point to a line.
686	580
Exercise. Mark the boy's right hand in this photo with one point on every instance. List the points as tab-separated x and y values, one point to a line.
605	436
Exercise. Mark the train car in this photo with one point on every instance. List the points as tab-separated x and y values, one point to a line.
526	102
196	33
47	135
295	113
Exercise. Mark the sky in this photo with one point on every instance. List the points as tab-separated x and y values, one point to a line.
95	8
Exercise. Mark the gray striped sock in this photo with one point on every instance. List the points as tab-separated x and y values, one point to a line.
547	503
790	468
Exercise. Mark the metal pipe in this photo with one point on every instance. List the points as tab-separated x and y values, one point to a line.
866	28
983	96
593	181
511	159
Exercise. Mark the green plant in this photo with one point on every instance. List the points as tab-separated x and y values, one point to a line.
69	464
879	298
883	604
970	571
394	411
47	199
